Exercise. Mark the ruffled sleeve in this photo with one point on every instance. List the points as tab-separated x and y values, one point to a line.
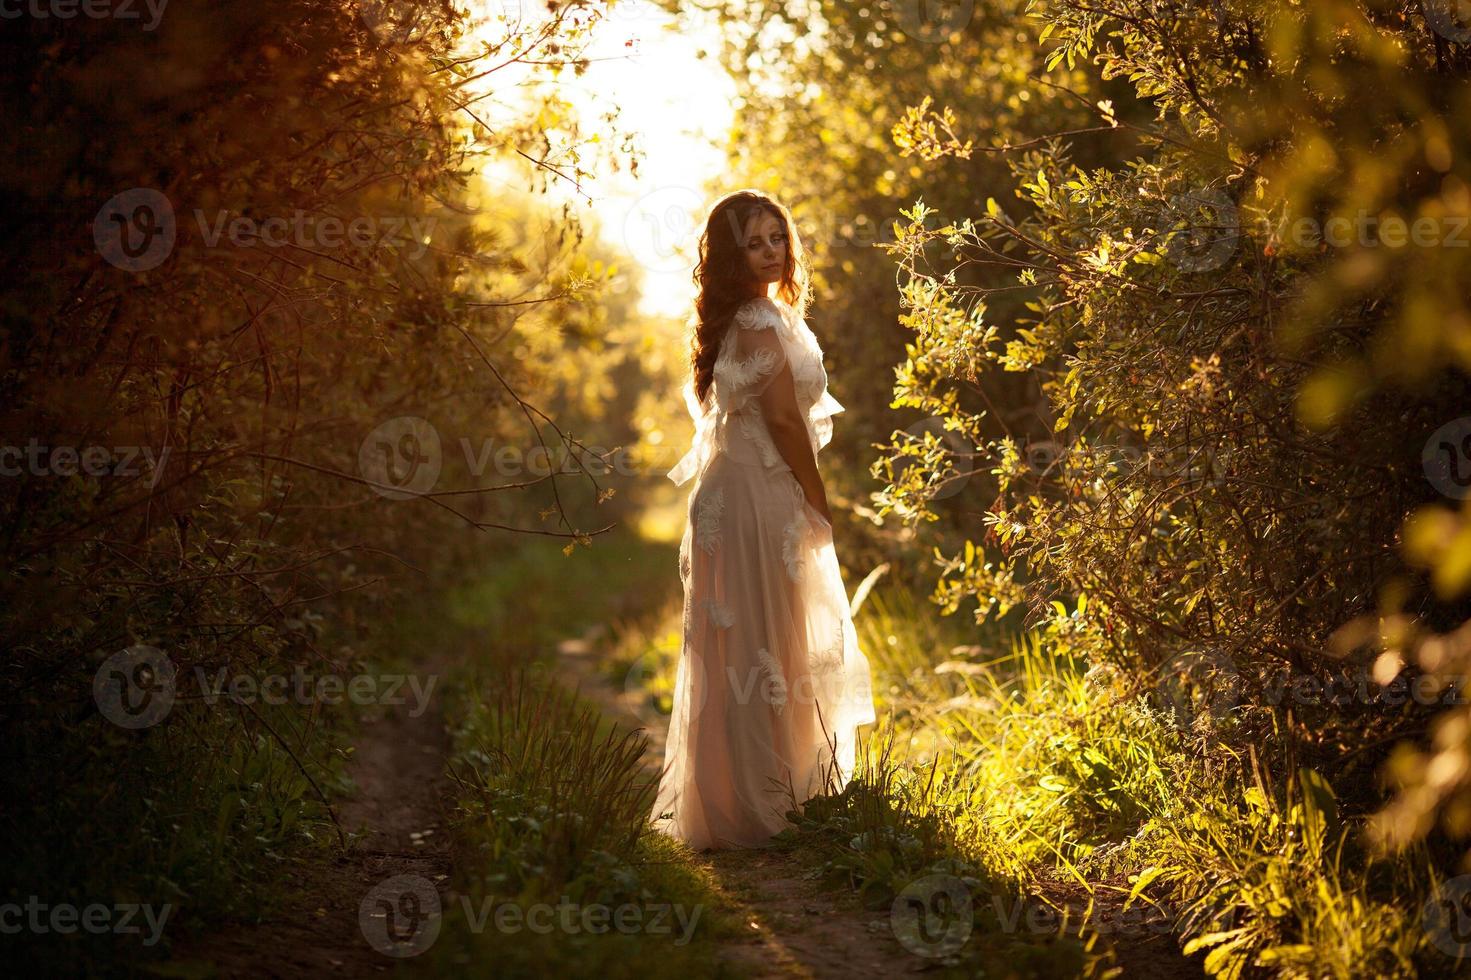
820	419
758	357
759	314
703	443
804	356
766	356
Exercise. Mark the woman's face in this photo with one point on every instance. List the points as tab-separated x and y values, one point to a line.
765	247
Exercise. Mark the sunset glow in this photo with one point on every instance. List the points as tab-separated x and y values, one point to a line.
678	106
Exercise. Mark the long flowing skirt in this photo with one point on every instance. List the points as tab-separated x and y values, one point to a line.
771	683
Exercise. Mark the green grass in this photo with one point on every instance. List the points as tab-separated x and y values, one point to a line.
1020	769
208	811
552	813
891	835
552	801
1059	772
1000	761
902	820
527	600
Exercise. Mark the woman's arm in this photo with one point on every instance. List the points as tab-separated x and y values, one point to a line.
794	446
789	432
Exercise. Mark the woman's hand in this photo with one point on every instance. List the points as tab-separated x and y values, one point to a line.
822	510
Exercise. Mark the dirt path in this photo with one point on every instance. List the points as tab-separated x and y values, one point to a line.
799	929
328	926
795	927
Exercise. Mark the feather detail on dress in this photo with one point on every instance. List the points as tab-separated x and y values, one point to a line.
793	544
776	682
741	374
831	658
722	617
707	519
754	428
757	316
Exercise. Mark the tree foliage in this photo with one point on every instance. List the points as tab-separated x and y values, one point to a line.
1246	395
244	251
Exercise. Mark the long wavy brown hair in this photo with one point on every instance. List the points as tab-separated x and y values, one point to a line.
724	278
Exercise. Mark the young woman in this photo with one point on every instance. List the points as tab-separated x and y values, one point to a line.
771	684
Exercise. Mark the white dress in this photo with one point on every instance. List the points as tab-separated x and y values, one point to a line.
771	684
